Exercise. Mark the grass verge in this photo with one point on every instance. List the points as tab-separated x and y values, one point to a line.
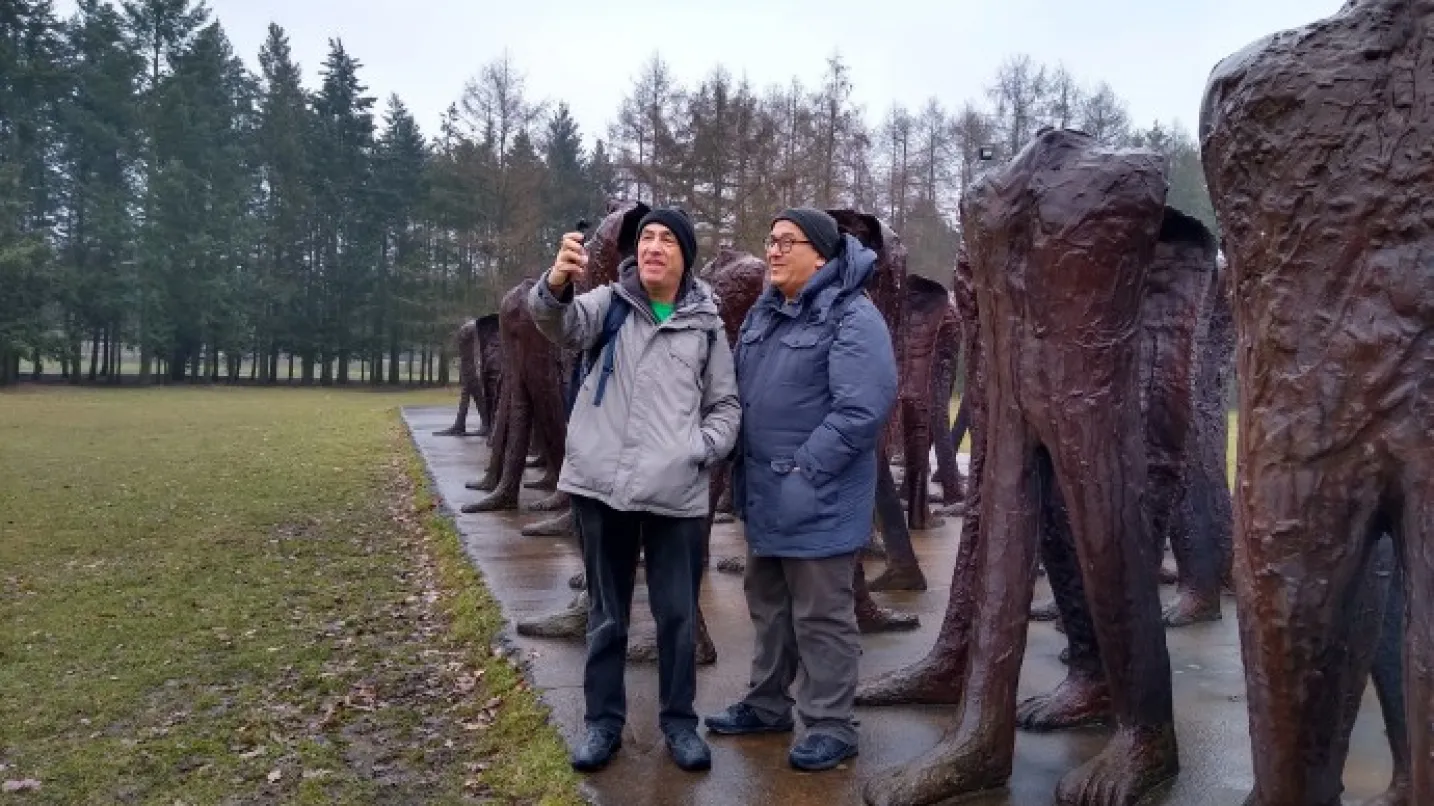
246	596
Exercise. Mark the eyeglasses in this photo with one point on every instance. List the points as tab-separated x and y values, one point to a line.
784	245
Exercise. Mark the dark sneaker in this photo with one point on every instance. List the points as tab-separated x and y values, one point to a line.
742	719
688	750
820	752
596	750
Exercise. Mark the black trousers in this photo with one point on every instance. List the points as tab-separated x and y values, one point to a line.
673	549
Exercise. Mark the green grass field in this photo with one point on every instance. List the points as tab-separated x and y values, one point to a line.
246	595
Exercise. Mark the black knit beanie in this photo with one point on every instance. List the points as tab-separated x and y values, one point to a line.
675	219
819	227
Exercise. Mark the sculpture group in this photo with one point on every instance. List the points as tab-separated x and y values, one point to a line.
1097	331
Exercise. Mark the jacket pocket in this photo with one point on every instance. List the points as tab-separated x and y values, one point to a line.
668	480
590	460
805	359
678	384
799	505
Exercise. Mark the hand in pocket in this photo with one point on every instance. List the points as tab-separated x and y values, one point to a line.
797	500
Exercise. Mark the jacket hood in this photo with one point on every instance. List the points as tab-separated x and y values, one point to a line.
844	275
694	296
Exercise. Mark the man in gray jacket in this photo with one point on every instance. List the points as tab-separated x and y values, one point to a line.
648	422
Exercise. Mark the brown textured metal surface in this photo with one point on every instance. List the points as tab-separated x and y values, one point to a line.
1318	146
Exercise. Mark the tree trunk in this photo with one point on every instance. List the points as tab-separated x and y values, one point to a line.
177	364
105	351
393	360
37	365
343	373
77	362
443	366
114	353
307	369
95	353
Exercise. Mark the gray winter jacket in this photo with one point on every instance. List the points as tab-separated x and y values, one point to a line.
669	409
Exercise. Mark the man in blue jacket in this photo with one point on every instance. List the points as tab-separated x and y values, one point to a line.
816	375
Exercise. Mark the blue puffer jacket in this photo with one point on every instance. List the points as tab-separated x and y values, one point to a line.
817	380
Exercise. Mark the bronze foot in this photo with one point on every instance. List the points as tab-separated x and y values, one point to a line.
451	431
642	648
559	526
871	618
896	578
1078	701
1188	608
937	679
1133	763
493	503
957	766
484	485
571	622
953	510
553	503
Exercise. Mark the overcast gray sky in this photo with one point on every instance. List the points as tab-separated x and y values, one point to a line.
1156	54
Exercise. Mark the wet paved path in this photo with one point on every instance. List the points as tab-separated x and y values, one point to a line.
529	576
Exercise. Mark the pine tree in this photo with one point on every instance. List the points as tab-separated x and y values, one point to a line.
399	188
30	82
347	245
568	190
99	124
161	30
